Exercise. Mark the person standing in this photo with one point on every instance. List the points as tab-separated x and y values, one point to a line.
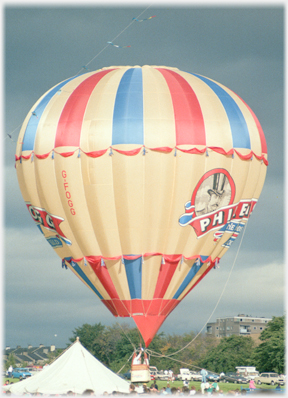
204	375
137	359
10	370
252	385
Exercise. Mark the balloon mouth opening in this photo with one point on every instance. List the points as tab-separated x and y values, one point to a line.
148	326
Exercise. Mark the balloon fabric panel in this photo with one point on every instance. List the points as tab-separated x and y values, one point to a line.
260	134
98	184
70	123
158	111
239	130
189	123
82	276
128	109
31	129
118	275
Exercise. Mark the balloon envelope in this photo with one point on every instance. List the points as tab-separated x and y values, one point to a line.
140	178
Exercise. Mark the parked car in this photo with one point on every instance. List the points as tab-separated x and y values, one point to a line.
213	377
269	378
232	377
185	374
22	373
249	372
195	376
163	376
155	374
127	375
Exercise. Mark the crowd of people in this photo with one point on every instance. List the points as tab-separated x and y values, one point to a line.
205	389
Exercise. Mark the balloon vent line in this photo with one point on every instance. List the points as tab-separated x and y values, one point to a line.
109	43
10	136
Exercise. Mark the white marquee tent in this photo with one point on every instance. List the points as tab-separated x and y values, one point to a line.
74	370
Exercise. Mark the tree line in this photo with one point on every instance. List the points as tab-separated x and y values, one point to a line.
113	346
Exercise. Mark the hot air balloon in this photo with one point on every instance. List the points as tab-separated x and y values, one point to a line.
140	178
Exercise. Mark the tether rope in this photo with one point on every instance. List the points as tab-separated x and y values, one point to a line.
127	336
125	363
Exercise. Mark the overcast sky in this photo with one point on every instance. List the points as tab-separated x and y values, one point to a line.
240	47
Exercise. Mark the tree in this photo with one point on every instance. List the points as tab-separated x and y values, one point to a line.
11	360
110	345
114	346
269	356
230	352
123	349
92	337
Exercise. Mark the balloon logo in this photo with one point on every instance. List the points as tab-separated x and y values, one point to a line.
140	179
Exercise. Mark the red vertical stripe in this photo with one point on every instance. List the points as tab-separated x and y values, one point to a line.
104	277
189	121
70	122
165	275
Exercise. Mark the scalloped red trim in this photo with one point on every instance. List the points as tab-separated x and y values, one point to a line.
167	257
132	152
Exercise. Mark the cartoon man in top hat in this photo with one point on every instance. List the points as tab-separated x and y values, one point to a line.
216	193
213	200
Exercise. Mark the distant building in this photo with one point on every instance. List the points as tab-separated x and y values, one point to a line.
30	355
240	325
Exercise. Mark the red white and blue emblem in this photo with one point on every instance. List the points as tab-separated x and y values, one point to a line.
49	222
211	207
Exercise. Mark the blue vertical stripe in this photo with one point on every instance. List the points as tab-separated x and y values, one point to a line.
128	109
31	129
85	278
238	125
192	272
134	277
